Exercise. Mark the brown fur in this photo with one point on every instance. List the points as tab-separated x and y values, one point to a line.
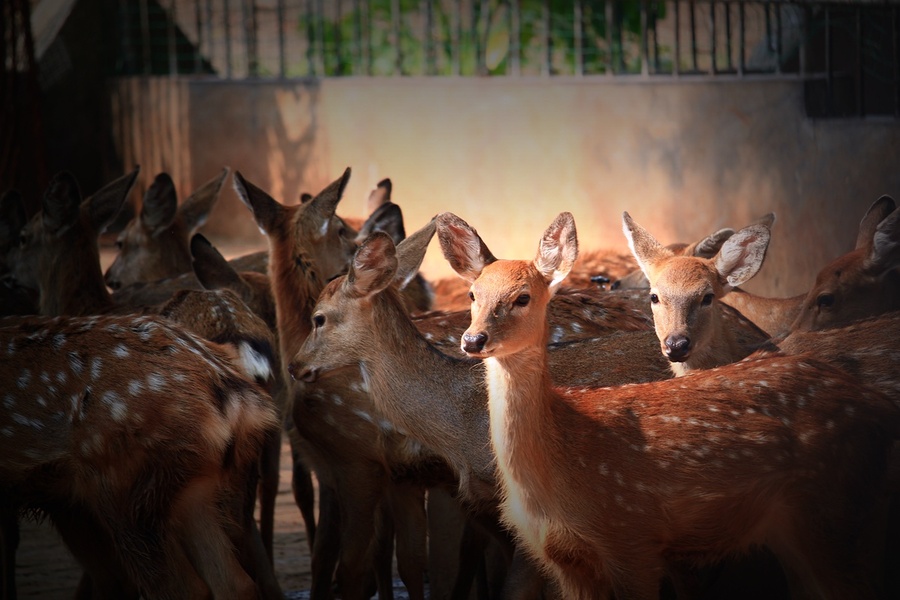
764	451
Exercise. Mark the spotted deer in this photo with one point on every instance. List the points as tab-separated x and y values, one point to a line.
695	329
605	486
362	464
143	469
61	241
154	244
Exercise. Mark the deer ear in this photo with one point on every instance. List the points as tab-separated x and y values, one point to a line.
742	255
411	253
557	250
265	209
877	213
380	195
710	245
885	243
324	204
105	203
60	203
373	266
212	270
387	218
648	252
462	246
160	204
194	211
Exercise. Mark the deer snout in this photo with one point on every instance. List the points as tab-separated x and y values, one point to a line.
473	343
305	373
678	347
112	281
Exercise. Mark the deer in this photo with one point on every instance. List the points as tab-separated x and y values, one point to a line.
360	462
154	244
434	395
143	470
62	239
696	330
861	283
771	314
15	299
606	486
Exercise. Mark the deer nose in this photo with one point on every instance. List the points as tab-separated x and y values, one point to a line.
301	372
678	347
474	342
112	282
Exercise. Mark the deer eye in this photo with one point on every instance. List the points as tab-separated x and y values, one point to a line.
318	320
825	300
654	299
471	297
707	300
522	300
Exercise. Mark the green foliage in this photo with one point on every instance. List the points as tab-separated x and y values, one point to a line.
473	37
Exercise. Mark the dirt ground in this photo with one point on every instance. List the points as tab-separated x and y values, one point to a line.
46	571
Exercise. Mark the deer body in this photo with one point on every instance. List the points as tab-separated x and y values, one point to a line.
606	486
156	456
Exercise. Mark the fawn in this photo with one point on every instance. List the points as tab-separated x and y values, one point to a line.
607	487
143	469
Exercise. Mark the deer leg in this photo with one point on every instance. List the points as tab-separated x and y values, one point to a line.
269	470
9	543
359	503
407	502
385	531
326	547
303	489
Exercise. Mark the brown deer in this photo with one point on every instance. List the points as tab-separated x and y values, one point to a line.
695	329
143	469
605	487
154	244
862	283
61	241
438	398
361	463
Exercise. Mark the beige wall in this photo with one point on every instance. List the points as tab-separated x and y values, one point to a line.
507	155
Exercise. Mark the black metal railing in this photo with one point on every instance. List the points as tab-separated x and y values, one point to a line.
845	52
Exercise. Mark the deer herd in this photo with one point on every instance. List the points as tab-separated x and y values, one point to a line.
668	435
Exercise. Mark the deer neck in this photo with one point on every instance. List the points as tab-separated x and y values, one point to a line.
441	399
74	287
732	338
524	434
295	285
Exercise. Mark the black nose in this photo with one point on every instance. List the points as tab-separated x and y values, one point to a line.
678	347
112	283
616	284
474	342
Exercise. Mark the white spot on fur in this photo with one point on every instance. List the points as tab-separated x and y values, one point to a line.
117	408
24	379
135	387
156	382
256	365
121	351
96	366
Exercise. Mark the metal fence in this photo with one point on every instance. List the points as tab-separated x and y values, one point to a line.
847	53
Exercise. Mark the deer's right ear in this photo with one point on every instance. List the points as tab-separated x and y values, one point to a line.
878	212
411	253
194	211
60	203
160	204
264	208
646	250
462	246
212	270
373	266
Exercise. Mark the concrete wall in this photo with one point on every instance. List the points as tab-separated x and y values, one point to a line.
684	158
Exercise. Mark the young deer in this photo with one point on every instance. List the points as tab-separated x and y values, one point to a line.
862	283
359	461
606	486
439	399
143	470
61	241
695	330
154	244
